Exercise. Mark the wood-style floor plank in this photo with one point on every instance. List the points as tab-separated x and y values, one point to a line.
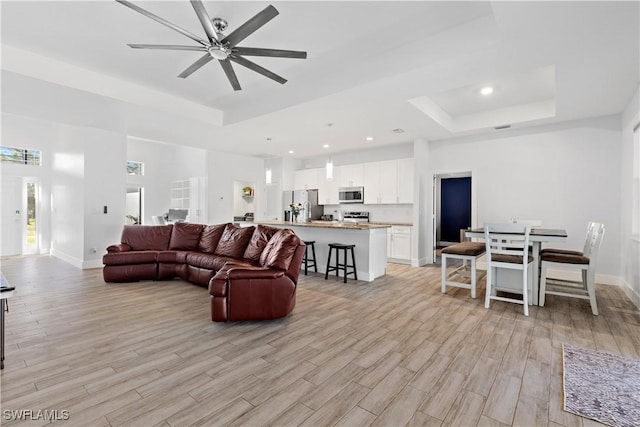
395	351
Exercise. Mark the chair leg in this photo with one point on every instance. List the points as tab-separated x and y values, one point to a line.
443	268
473	277
326	273
315	264
306	259
353	259
543	284
525	290
487	297
344	266
591	289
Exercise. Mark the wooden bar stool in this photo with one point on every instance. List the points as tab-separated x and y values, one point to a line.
308	262
341	266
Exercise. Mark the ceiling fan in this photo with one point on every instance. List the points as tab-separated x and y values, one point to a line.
218	46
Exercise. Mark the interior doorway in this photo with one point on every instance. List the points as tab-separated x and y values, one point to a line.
133	205
452	209
20	216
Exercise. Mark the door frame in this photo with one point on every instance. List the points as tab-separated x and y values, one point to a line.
436	191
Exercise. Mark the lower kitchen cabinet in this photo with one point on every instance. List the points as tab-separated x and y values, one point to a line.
399	244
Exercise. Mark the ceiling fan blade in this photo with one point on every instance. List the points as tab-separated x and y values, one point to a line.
167	47
203	16
246	29
280	53
258	69
195	66
162	21
231	75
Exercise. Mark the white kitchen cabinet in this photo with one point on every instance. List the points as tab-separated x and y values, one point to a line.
306	179
328	188
405	181
380	180
400	243
350	175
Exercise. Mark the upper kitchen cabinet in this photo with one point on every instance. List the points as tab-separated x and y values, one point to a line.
350	175
405	181
380	181
388	182
306	179
328	188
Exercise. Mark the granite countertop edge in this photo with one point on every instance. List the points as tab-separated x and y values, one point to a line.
364	226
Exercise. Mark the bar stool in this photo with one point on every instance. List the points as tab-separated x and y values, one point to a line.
341	247
307	261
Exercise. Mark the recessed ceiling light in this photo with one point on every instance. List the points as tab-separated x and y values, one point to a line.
325	146
369	138
291	151
398	130
487	90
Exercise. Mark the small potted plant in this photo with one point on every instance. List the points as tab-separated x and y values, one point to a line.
247	191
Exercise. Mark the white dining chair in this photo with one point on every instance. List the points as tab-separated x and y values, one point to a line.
507	247
590	230
584	262
464	251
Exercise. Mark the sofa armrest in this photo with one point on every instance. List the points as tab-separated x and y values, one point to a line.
120	247
247	273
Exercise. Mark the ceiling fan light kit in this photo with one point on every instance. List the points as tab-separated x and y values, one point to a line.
222	48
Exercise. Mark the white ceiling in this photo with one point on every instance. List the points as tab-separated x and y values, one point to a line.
366	61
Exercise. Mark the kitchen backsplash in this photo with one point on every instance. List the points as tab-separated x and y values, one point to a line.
377	213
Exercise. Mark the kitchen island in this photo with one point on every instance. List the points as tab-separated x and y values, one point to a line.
370	241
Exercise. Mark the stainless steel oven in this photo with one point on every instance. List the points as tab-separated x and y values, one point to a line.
351	194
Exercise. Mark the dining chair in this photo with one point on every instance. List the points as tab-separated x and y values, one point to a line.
507	247
584	261
590	229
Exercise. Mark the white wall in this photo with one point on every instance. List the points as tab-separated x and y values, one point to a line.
104	182
223	170
566	175
629	241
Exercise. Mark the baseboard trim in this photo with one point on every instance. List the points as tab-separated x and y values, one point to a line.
67	258
631	293
93	263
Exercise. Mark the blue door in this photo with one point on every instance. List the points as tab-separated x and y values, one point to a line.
455	207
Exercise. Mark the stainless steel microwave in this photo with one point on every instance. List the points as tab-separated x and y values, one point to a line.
351	195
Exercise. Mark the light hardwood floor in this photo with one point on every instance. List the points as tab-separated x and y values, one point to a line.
392	352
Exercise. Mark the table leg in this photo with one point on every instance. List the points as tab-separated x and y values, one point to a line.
535	286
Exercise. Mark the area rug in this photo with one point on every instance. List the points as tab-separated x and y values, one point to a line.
601	386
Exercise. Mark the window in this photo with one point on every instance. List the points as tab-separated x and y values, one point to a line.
19	156
135	168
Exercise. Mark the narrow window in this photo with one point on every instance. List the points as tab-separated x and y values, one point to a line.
19	156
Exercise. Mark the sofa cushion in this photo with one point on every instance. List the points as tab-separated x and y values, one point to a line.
174	257
280	249
124	258
234	241
185	236
210	237
259	240
147	237
211	262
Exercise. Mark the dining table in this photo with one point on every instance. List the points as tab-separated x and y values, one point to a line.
537	237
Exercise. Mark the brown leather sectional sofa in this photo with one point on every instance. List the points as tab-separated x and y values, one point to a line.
251	272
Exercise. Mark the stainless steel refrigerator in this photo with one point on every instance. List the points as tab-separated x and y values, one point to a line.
303	196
